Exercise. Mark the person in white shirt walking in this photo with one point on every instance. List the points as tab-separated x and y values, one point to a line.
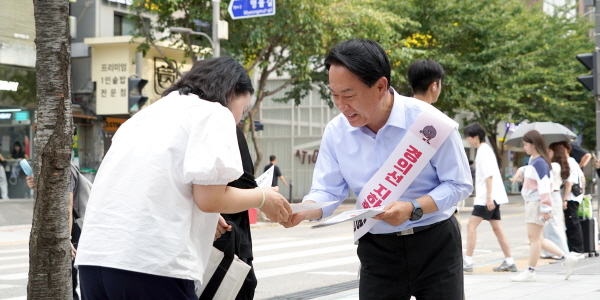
490	195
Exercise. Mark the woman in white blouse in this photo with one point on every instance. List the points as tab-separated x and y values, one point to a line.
153	209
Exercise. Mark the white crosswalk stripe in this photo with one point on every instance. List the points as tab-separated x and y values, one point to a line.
14	266
306	267
13	257
305	253
14	251
300	243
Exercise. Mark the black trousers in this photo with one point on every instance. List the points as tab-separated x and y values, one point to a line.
427	265
574	232
100	283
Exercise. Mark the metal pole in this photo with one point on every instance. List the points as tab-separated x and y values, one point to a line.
215	34
597	94
139	57
291	194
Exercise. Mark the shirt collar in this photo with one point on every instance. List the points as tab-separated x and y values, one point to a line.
397	110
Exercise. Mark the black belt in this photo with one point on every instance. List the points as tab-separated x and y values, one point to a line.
415	229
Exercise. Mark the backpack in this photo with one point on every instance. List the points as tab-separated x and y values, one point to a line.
81	196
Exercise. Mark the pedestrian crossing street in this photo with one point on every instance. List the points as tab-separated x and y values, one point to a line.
280	263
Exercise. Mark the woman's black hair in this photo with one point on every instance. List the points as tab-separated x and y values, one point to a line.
17	154
215	80
364	58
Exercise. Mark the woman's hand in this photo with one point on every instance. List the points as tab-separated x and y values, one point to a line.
222	227
518	177
276	207
73	251
545	217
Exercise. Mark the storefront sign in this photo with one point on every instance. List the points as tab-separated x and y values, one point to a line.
164	76
113	124
17	86
8	85
110	70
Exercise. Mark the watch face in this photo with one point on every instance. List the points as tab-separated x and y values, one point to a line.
417	214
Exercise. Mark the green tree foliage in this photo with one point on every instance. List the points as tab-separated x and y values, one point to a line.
505	61
294	42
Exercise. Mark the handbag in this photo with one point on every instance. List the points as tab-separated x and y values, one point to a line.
576	188
224	275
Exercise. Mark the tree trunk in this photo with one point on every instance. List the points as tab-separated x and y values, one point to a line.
258	159
494	143
260	95
49	244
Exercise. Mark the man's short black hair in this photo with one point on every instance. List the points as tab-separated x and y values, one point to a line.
272	158
422	73
364	58
474	130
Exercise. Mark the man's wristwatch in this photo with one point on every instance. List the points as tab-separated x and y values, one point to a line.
417	212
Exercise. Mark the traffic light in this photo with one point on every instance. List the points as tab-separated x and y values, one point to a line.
258	126
135	98
592	62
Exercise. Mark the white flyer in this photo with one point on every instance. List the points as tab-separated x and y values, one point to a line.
296	208
266	179
350	215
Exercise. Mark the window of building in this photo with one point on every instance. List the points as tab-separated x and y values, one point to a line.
122	25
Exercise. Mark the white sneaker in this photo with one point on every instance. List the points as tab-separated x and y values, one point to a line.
578	255
570	263
525	275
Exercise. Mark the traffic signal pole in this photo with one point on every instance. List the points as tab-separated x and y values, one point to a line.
597	93
216	12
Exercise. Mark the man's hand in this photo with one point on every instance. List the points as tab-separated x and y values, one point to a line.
276	207
564	204
294	220
30	183
222	227
396	213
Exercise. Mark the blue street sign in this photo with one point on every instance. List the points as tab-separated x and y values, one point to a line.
242	9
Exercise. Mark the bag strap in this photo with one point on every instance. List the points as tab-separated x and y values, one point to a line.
215	281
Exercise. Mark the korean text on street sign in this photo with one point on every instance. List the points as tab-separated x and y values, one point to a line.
242	9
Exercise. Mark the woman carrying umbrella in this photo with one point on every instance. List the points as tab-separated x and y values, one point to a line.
537	189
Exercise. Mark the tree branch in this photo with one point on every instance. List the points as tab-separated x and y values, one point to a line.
151	41
281	87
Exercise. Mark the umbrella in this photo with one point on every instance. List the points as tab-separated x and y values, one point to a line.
552	133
